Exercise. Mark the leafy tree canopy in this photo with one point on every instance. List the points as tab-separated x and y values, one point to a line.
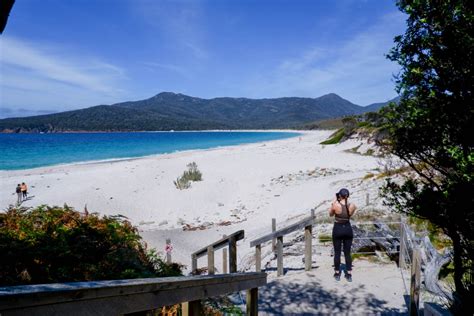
431	128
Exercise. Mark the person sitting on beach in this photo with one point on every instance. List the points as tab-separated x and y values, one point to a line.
19	194
342	233
24	190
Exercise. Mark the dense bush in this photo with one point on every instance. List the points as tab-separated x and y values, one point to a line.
58	244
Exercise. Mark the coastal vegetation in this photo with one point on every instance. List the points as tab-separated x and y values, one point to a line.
58	244
430	128
192	174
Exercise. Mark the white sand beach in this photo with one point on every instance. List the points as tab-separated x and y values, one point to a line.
262	180
243	187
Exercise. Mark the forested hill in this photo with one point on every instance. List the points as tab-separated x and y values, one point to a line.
171	111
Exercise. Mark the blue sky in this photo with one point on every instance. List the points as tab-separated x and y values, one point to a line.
59	55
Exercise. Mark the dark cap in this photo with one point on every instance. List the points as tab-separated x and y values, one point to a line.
344	192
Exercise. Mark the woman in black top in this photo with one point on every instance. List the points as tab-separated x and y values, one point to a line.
342	234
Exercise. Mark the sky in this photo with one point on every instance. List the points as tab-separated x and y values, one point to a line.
58	55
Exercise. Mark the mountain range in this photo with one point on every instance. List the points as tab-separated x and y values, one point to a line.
175	111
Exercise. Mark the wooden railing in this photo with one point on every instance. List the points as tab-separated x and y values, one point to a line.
209	250
119	297
306	223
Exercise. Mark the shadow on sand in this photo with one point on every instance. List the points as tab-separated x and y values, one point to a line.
277	298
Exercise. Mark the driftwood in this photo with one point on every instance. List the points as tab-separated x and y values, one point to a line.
388	240
433	262
383	238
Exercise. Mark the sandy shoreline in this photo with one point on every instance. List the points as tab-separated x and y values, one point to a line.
236	178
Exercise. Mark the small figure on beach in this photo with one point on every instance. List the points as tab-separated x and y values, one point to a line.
19	194
24	191
342	234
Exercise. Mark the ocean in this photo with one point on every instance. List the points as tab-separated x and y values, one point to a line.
25	151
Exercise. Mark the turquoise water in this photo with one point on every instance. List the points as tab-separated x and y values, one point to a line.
25	151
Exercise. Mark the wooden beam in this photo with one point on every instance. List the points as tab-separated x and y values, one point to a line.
192	308
210	261
258	258
232	254
221	243
224	261
194	264
168	252
308	247
415	281
279	255
120	296
402	250
252	302
284	231
274	228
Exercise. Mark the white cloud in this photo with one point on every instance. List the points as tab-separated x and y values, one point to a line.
54	78
356	69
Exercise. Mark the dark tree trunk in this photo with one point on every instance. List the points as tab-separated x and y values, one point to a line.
461	295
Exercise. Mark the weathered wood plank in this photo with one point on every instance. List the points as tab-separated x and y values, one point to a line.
252	302
194	264
233	254
284	231
210	260
308	247
258	258
221	243
192	308
168	251
279	250
402	250
224	261
415	282
119	296
274	228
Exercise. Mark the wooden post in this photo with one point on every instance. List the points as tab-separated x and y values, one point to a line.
192	308
258	258
194	264
232	255
252	302
224	260
225	265
415	281
274	227
308	247
168	251
210	260
401	254
279	249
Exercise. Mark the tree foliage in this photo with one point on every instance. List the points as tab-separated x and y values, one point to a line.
58	244
431	128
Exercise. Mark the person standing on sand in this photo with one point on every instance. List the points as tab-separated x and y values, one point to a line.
19	194
24	191
342	234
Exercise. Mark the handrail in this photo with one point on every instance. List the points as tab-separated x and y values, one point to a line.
284	231
230	240
124	296
306	223
221	243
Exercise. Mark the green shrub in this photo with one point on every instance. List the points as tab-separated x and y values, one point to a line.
192	174
335	138
58	244
323	238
